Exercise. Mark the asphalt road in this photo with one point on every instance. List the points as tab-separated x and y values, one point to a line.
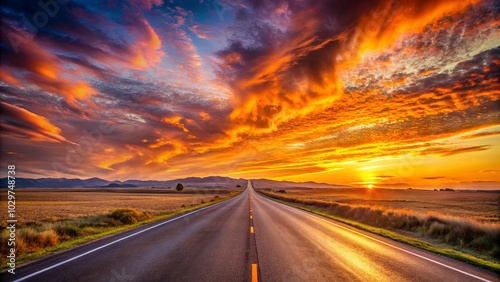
244	239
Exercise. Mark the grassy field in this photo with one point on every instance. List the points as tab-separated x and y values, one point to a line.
463	225
478	206
52	220
35	205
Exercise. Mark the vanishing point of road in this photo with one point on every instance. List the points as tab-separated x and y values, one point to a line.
247	238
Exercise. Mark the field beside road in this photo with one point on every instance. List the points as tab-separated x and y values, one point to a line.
479	206
44	204
463	225
51	220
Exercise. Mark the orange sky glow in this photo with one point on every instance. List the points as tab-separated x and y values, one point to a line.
388	94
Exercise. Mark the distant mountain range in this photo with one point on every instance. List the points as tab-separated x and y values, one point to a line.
267	183
198	182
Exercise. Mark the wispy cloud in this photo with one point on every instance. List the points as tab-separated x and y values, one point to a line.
481	134
454	151
202	31
433	177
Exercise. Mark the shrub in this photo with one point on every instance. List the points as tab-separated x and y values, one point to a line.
436	229
21	247
126	215
34	240
66	231
48	238
495	251
87	231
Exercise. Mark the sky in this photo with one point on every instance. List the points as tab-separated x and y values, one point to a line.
396	94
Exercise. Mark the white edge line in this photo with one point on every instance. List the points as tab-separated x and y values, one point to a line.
116	241
379	241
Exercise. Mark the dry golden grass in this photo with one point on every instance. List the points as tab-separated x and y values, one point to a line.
34	205
374	209
478	206
55	219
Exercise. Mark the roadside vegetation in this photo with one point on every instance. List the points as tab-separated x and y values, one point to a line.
461	238
38	238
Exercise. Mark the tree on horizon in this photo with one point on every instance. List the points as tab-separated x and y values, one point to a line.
179	187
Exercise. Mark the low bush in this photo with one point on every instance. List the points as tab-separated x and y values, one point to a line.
31	240
127	215
66	231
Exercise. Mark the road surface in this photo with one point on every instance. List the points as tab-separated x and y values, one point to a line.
247	238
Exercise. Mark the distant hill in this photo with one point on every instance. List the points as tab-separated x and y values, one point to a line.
57	182
197	182
266	183
115	185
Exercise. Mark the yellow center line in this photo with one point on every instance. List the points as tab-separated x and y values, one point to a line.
254	273
251	229
250	216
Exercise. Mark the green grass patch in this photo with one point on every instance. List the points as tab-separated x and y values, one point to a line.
410	227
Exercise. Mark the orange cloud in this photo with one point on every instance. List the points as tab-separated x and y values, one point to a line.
45	71
204	115
393	19
148	48
8	78
176	121
165	150
297	75
19	122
